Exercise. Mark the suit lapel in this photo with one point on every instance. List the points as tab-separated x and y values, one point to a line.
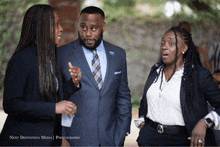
82	62
150	80
110	65
182	94
184	107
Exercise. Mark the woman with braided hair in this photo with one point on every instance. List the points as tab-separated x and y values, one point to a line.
35	95
173	110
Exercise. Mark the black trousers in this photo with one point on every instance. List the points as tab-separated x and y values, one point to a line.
149	136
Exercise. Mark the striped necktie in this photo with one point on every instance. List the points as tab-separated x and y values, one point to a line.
96	69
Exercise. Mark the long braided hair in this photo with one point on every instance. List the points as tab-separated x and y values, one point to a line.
191	62
39	27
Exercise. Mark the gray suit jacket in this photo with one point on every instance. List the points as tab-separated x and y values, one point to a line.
103	117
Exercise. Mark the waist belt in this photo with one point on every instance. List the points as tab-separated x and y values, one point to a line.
165	128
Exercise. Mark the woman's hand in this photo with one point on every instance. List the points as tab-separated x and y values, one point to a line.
198	134
65	143
66	107
75	73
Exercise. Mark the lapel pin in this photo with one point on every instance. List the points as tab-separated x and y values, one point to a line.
112	53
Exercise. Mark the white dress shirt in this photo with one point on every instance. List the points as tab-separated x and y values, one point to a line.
164	104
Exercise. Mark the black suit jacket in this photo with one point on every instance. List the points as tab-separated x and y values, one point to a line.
205	90
31	120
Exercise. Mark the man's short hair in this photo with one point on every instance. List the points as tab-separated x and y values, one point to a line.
184	23
93	10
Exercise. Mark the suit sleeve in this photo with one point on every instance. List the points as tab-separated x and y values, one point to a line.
143	105
211	90
123	108
69	89
14	102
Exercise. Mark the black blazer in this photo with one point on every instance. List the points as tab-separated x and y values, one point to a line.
205	90
31	120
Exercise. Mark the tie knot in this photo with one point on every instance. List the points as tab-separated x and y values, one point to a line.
95	55
94	52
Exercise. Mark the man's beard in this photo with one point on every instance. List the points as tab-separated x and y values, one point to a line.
97	42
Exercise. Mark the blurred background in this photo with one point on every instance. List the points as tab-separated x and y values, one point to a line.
135	25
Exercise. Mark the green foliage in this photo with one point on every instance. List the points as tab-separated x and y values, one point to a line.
154	3
158	17
117	9
135	100
11	16
203	10
119	3
200	17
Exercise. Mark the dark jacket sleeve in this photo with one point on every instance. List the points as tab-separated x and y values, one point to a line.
16	96
143	105
123	107
210	89
69	89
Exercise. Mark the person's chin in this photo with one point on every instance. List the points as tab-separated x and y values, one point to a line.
58	43
90	47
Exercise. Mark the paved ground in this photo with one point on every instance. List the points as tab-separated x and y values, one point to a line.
130	139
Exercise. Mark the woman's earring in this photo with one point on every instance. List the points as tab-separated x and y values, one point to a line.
183	53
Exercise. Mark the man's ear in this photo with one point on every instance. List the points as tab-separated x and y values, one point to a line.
103	26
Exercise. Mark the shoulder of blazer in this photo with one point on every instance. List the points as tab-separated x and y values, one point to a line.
110	47
68	45
202	70
154	68
201	73
27	55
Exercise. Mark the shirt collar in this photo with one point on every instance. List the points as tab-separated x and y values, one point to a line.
178	73
100	47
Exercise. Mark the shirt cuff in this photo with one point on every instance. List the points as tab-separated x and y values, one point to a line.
215	118
138	121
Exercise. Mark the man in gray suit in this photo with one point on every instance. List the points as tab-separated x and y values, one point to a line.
104	102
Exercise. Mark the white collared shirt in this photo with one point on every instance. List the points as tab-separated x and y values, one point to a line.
164	104
102	56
